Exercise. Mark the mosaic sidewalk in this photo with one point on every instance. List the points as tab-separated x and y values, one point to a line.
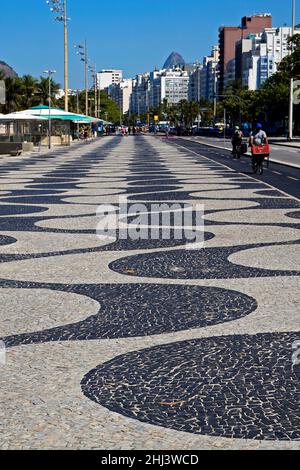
143	344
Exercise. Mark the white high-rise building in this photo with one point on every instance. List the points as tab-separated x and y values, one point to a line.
195	84
109	77
171	85
140	97
259	55
120	93
209	75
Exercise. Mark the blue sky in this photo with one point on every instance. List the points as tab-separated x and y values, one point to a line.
134	35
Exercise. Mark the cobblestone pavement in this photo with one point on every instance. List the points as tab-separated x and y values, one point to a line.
145	344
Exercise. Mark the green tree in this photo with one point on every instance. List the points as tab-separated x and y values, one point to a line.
29	90
291	63
273	97
188	111
14	95
109	109
43	90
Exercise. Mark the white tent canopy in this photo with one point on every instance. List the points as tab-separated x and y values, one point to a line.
57	112
21	116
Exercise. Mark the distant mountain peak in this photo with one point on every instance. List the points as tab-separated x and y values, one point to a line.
7	70
174	59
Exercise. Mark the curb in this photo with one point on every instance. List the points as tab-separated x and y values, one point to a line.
278	162
281	144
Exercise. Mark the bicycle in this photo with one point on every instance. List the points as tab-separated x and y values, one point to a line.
258	164
259	153
240	149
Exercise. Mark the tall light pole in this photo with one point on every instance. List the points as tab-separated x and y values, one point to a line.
83	52
291	104
99	97
94	75
139	113
60	8
49	73
86	79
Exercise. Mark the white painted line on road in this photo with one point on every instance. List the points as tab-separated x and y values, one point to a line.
277	172
292	178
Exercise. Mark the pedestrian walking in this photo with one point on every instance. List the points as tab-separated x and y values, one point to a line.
237	139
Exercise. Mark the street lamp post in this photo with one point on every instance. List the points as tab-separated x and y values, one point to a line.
215	92
99	98
291	103
83	52
49	73
86	78
139	113
77	110
96	91
60	8
94	75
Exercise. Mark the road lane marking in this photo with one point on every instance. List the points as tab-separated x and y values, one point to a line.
276	172
292	178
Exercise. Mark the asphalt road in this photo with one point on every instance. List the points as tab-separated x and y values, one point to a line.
280	176
288	154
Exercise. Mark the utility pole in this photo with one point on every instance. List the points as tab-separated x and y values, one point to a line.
66	58
215	92
121	112
225	125
95	91
99	98
49	73
139	116
59	7
77	107
83	52
86	80
77	101
291	103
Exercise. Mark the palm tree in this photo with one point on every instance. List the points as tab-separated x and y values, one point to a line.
14	95
43	90
30	87
194	110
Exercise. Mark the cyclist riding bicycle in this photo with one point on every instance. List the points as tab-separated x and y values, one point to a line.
258	141
258	136
236	141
